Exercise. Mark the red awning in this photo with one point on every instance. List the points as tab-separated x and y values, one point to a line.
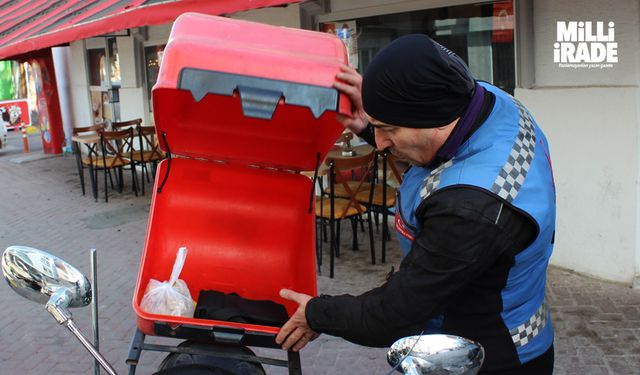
30	25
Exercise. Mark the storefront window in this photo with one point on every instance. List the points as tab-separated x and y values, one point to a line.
153	58
481	34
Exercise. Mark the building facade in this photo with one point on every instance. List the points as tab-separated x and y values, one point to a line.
581	85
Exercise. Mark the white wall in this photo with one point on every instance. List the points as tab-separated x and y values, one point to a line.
131	85
159	33
81	103
591	118
62	61
156	35
132	105
592	134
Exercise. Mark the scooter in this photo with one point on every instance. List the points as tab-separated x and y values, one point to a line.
49	280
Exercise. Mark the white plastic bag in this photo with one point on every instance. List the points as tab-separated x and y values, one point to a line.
169	297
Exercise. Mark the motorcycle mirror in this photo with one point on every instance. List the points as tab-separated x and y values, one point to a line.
436	354
36	275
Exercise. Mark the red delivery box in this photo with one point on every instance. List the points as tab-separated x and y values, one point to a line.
241	108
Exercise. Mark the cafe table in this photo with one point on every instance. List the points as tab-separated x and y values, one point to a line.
337	153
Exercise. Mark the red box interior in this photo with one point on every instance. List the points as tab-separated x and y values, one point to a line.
247	230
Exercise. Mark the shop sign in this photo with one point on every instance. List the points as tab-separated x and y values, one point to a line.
502	23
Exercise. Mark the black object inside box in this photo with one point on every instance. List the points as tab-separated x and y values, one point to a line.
231	307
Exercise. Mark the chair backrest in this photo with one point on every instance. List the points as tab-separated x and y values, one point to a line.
147	142
389	161
90	132
88	129
116	144
123	124
341	164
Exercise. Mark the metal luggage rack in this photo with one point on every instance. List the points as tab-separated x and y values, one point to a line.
221	335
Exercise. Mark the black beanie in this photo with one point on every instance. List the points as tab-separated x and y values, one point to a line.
417	83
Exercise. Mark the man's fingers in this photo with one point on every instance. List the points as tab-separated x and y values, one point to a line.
296	330
304	340
349	75
353	79
348	69
292	296
350	90
284	332
292	339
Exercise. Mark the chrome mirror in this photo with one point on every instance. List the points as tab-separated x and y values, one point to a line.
49	280
37	275
436	354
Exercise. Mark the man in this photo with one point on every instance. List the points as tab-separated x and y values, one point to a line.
475	214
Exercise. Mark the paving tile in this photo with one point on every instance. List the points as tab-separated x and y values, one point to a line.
590	356
621	365
606	305
631	312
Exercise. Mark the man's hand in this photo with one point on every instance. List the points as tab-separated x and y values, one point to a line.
296	333
349	82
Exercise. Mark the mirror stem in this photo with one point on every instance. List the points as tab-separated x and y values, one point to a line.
96	354
94	307
57	307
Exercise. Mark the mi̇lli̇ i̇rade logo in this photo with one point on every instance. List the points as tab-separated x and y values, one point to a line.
585	44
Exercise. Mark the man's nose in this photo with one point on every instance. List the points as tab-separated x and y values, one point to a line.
382	141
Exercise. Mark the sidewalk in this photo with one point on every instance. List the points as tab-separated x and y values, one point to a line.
597	323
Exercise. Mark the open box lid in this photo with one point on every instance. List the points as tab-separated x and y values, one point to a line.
247	92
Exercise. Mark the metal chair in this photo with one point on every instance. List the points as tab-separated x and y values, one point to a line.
117	151
120	125
147	151
383	197
334	209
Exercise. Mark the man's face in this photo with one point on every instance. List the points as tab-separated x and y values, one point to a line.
417	146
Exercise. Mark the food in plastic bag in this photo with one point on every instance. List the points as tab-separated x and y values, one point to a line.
169	297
